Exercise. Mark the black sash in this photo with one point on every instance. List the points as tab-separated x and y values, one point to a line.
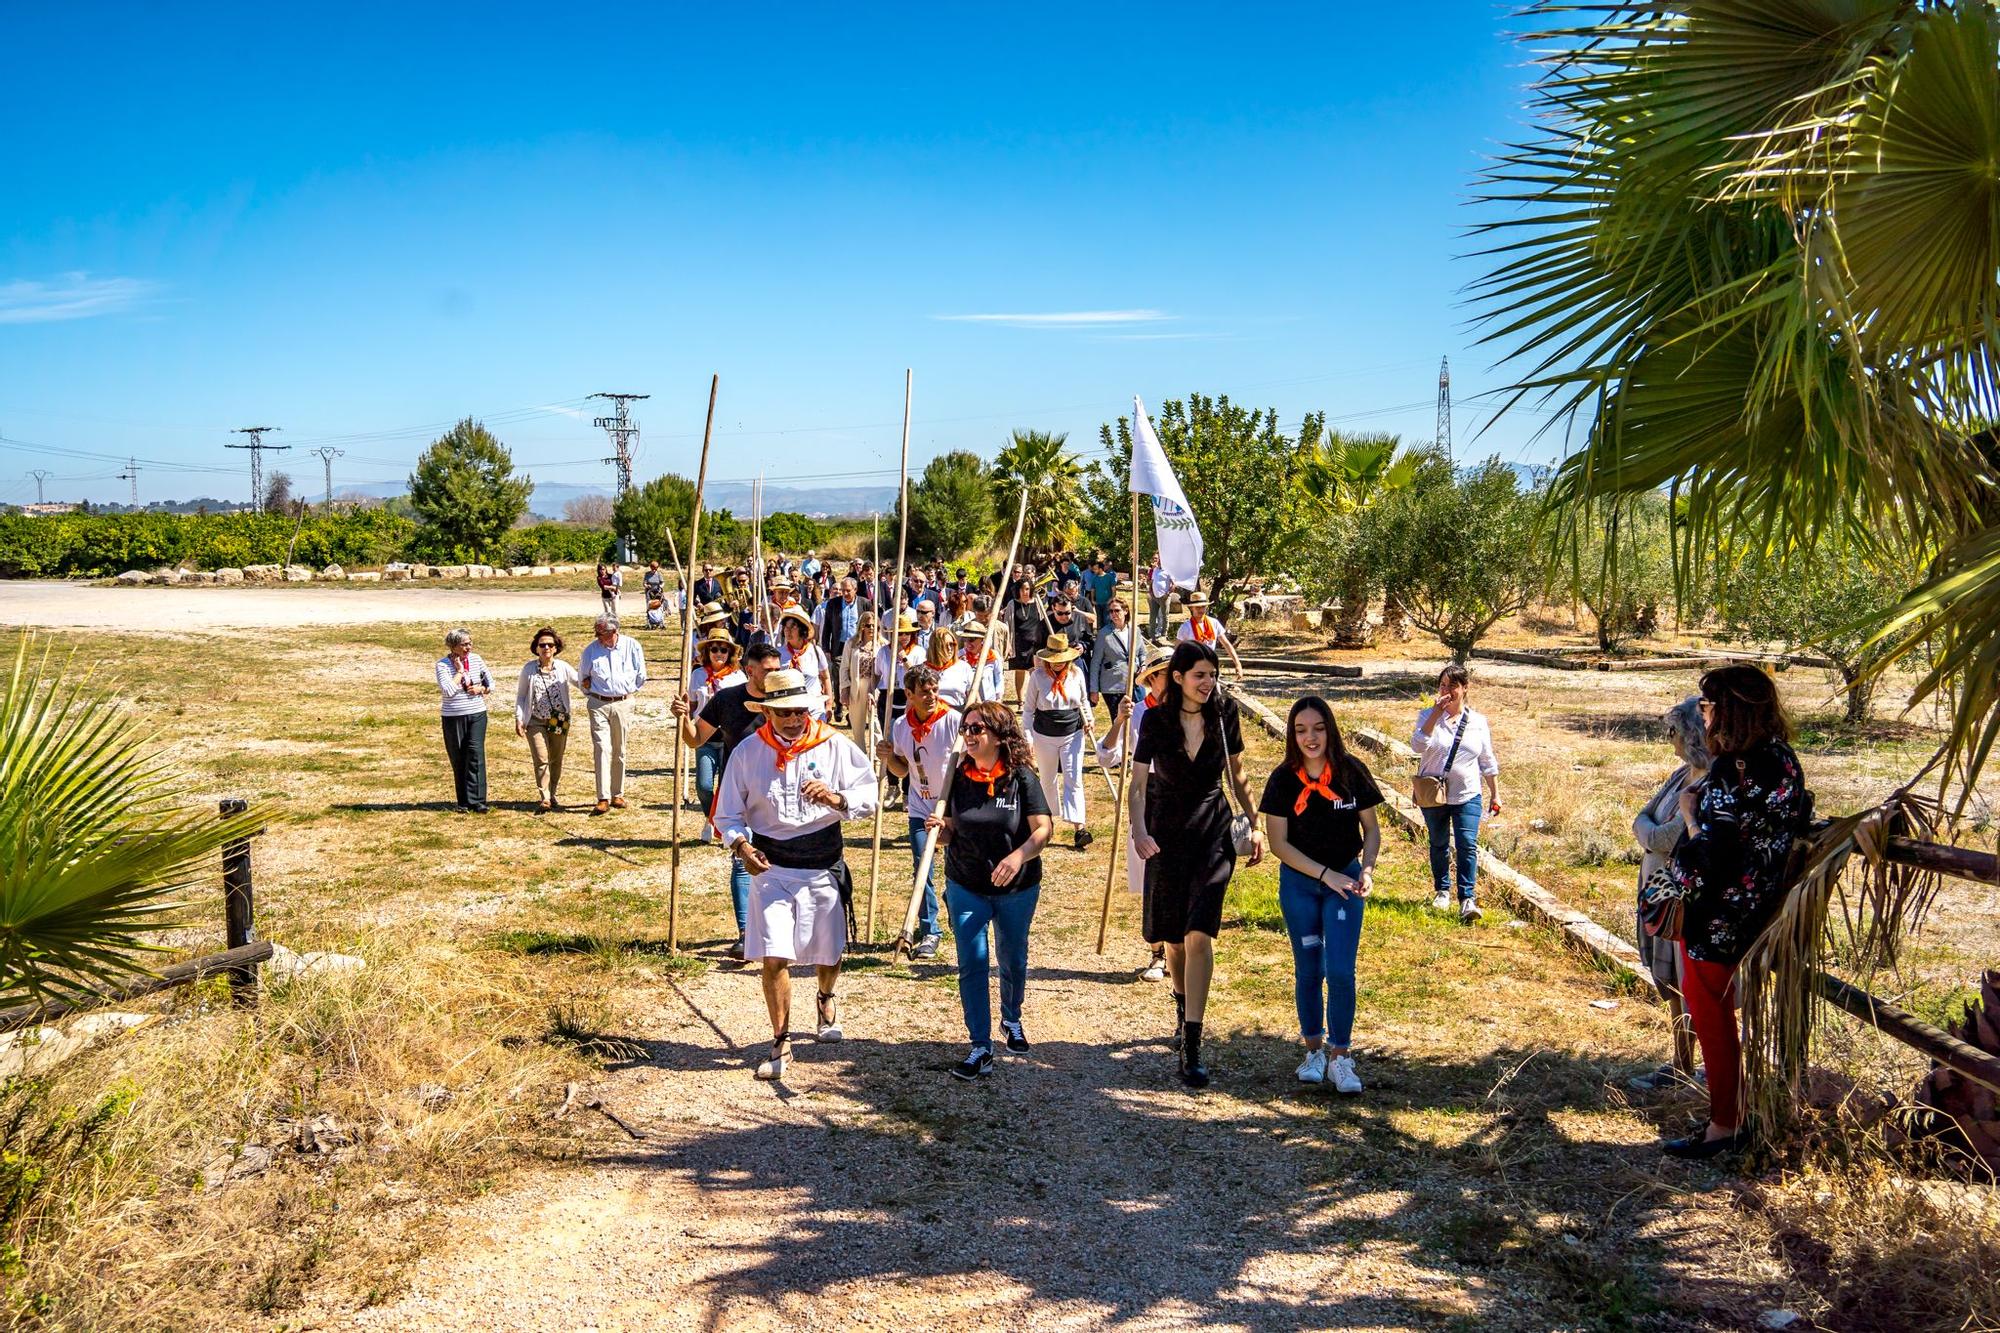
818	850
1056	723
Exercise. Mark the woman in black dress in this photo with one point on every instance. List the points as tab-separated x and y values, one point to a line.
1181	829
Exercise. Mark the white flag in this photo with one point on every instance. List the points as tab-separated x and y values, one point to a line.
1173	522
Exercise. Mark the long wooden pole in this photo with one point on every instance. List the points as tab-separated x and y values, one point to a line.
888	688
687	669
1131	739
687	618
972	696
1089	722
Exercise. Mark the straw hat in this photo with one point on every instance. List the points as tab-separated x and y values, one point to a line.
785	688
1155	661
968	626
712	613
1058	650
723	637
780	582
1196	599
797	613
906	621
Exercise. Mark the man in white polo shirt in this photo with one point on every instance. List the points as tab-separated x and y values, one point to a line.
612	670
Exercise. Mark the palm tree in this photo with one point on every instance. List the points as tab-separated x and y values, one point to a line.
1043	463
1754	251
96	843
1348	476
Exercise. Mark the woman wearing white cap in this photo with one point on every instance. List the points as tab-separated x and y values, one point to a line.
783	796
1201	627
797	650
1052	707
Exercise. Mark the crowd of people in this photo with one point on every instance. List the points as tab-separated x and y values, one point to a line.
838	695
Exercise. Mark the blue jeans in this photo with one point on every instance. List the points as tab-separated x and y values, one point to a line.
1326	935
1011	914
707	768
1446	823
927	923
739	894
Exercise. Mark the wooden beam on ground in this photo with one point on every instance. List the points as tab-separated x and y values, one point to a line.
1941	1046
1303	666
179	974
1962	862
1548	660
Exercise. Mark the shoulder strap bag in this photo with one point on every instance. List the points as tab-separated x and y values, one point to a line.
1428	792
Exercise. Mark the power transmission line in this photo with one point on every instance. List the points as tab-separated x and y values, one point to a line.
256	448
1444	407
131	474
326	453
40	474
622	430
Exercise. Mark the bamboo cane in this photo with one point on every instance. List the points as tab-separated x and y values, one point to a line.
906	940
687	668
888	688
1131	739
687	618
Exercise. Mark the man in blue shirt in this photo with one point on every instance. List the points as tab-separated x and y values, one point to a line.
611	671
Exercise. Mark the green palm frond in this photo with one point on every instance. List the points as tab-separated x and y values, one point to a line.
1042	463
95	844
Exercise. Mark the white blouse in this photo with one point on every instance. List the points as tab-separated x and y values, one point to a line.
540	695
1475	754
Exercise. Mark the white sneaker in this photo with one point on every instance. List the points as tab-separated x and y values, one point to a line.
1313	1068
1155	970
1441	901
1470	911
1341	1074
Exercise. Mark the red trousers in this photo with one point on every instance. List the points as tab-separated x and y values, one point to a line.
1709	992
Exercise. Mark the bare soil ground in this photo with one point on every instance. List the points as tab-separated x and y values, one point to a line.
1495	1175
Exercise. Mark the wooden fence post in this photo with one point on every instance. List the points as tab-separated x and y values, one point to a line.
238	905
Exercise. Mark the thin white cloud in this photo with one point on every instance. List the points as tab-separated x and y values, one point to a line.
1161	337
558	409
1064	319
70	296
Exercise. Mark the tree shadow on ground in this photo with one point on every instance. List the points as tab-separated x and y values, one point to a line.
1629	725
1081	1183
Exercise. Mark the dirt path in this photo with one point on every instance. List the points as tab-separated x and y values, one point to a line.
36	604
1080	1186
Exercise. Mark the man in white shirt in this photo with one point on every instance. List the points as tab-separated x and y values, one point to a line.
918	749
612	670
1161	587
778	808
1205	628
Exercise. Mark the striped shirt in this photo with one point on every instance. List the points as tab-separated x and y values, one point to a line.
452	683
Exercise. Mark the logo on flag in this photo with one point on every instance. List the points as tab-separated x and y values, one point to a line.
1179	536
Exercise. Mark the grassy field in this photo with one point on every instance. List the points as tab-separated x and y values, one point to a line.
1495	1176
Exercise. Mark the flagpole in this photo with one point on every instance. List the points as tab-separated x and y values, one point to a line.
687	668
1131	739
895	648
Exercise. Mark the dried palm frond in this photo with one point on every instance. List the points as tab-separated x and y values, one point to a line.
1877	912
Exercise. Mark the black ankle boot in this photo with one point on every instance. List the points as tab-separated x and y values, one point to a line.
1180	1017
1193	1073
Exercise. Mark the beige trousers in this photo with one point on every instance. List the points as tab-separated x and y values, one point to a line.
608	720
546	747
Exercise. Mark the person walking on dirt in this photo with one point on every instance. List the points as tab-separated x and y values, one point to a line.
728	718
1182	830
542	711
1454	744
610	580
1201	627
463	684
1026	629
994	824
1111	754
1052	713
784	795
1319	813
612	670
1659	829
917	747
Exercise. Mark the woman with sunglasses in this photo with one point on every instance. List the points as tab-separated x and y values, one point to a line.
542	711
716	657
994	822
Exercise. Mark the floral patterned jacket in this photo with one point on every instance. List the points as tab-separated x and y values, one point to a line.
1732	868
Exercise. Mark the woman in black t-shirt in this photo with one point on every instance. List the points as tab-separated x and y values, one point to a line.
1320	810
1181	830
994	823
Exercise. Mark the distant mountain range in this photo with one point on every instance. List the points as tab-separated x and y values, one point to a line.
831	502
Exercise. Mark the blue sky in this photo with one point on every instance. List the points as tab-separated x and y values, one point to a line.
361	222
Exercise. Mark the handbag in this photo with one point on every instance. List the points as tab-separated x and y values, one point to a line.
1663	905
1428	792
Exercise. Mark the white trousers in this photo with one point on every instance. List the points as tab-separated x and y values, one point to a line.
795	914
608	720
1060	760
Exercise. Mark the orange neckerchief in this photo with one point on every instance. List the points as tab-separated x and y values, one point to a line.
921	729
1204	629
989	776
1057	678
1154	700
816	734
972	657
1307	787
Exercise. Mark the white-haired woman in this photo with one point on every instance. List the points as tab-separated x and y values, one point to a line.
1659	829
463	684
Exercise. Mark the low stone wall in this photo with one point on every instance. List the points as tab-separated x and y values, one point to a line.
394	573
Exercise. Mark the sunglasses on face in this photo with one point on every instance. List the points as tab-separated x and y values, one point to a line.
976	729
543	644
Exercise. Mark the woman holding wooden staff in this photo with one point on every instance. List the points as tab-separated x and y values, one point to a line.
1052	713
1181	828
918	748
994	823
